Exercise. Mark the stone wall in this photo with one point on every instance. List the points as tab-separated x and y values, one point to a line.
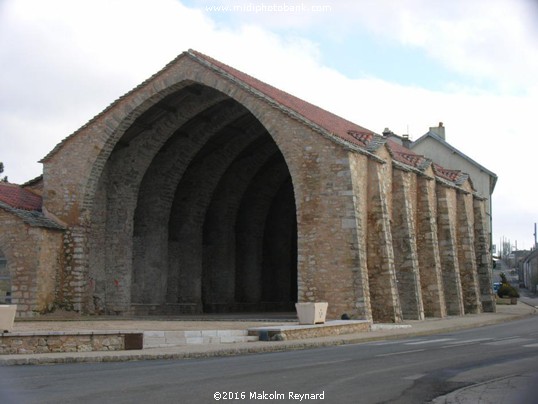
20	343
33	261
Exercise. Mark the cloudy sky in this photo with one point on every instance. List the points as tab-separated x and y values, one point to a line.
402	64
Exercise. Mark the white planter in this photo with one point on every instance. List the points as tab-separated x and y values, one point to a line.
7	317
311	313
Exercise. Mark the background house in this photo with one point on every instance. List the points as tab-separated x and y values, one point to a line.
433	145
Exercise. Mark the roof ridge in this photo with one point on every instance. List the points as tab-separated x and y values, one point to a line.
32	181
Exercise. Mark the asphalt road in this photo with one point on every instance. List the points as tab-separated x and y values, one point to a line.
413	370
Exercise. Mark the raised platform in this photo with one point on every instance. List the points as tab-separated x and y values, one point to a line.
300	331
85	336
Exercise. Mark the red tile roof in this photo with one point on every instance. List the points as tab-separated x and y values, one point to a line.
404	155
450	175
19	198
332	123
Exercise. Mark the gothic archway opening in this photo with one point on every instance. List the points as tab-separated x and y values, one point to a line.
199	212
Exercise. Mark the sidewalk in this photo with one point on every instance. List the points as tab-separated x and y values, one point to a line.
517	389
417	328
529	298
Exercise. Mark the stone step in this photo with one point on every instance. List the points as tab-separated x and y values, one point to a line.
163	339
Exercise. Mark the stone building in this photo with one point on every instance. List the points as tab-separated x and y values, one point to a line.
29	251
206	190
528	274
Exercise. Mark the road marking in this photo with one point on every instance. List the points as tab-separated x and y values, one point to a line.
465	342
507	341
401	353
391	342
431	341
531	346
415	377
512	337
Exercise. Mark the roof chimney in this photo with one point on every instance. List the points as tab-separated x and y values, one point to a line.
439	130
406	141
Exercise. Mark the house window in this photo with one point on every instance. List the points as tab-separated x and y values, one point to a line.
5	281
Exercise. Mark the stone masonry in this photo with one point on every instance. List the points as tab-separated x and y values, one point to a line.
429	258
32	252
204	190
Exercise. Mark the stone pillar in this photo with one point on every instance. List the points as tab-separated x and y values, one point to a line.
404	239
483	256
359	177
330	265
76	237
381	270
446	222
433	295
466	253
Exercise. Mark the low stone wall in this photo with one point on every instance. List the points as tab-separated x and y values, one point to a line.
30	343
294	332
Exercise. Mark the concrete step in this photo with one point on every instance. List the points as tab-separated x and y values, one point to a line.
163	339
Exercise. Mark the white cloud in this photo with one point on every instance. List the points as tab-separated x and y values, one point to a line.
491	41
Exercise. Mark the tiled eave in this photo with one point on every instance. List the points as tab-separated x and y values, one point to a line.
32	217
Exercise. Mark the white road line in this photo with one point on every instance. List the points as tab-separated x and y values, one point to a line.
465	342
531	346
508	341
431	341
401	352
390	343
415	377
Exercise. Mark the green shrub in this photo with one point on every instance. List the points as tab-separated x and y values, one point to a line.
507	290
